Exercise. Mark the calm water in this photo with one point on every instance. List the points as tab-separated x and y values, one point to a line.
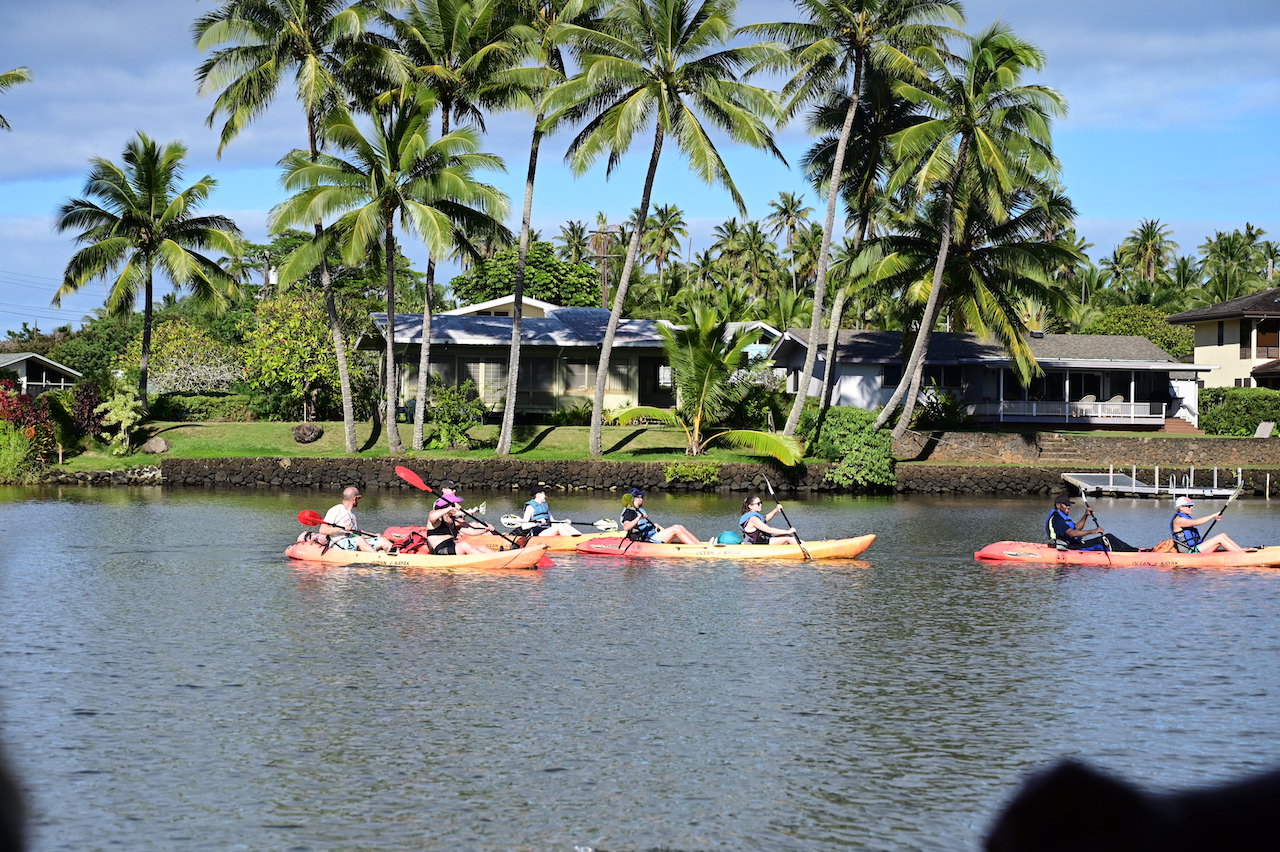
169	681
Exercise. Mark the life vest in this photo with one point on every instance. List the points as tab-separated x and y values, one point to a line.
541	513
1188	537
753	536
644	528
1052	535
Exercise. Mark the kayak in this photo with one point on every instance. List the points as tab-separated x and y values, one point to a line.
526	557
1024	551
563	543
836	548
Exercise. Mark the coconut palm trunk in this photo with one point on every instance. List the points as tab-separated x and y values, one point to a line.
619	298
394	445
517	306
907	391
331	309
824	256
424	359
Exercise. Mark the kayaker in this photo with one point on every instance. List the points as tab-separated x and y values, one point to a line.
636	524
537	516
340	524
1187	537
1066	534
448	528
755	524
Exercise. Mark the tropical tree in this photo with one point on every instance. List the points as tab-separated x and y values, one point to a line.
9	79
573	241
708	366
134	220
663	232
665	64
1231	268
988	136
330	51
832	50
395	175
1148	249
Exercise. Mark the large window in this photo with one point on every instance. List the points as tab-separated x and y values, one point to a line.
1268	339
1246	338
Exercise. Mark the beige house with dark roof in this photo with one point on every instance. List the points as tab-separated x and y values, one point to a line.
1241	337
36	373
1088	379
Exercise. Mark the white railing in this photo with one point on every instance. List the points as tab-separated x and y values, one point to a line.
1066	412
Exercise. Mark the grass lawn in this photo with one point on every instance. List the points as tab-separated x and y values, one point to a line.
213	440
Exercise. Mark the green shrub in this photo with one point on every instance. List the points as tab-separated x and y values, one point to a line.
14	447
196	406
578	415
124	411
453	411
1240	411
705	472
863	456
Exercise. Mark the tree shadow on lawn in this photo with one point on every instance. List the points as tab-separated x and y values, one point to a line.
645	451
375	435
521	433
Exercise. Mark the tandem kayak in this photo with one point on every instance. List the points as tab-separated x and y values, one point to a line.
836	548
525	557
563	543
1024	551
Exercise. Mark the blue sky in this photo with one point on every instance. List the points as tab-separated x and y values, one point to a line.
1174	115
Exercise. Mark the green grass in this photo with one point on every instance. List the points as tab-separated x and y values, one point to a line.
215	440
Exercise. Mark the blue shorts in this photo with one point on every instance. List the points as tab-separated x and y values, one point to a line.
347	542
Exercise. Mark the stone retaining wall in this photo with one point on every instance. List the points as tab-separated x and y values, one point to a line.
481	475
1149	450
989	479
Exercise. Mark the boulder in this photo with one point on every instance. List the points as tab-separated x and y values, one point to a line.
155	446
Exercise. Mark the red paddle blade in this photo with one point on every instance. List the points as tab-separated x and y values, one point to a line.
412	478
545	561
309	518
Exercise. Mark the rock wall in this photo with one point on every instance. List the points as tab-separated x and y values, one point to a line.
1141	450
987	479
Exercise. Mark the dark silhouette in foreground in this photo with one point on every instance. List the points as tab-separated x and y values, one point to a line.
1075	807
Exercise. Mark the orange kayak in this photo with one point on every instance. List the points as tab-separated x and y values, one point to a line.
1023	551
562	543
525	557
836	548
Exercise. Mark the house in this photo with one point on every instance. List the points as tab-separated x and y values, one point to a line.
1242	337
503	307
1088	379
36	373
559	354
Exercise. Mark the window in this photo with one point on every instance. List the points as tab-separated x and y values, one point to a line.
1246	339
579	375
1244	383
1222	333
890	375
664	376
943	375
1268	339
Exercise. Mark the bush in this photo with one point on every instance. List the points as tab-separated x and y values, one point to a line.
453	411
30	418
195	406
1237	411
1145	321
705	472
863	456
124	411
578	415
14	446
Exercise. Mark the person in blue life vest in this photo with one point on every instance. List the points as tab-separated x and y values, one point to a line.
637	526
1187	537
755	524
1066	534
537	517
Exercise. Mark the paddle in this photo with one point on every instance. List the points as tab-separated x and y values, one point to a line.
314	519
416	481
773	494
1106	545
1234	495
515	521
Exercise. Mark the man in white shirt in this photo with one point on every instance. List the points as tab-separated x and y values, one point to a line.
341	526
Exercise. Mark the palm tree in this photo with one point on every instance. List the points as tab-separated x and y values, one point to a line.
133	220
1148	249
663	232
663	62
9	79
573	241
1230	267
789	211
320	41
707	363
396	173
989	136
833	50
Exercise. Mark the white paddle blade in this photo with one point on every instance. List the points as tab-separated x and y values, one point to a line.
512	521
605	525
478	510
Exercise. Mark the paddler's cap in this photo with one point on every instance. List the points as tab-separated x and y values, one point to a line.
1064	499
635	492
447	499
1184	501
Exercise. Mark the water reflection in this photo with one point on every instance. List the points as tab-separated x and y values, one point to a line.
169	681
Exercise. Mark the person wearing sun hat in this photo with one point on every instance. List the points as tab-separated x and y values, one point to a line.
637	526
447	528
1188	538
1066	534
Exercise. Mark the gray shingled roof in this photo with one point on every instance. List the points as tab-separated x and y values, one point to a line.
1264	304
563	327
7	358
951	348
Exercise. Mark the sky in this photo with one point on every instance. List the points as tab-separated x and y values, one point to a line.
1174	114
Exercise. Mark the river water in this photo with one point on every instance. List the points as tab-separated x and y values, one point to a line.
169	681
